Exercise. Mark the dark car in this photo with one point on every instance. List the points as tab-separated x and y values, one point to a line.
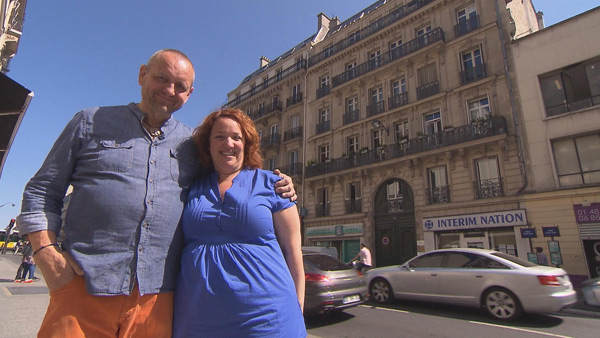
331	285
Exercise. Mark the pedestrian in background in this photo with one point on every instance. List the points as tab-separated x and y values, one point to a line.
364	256
541	257
27	263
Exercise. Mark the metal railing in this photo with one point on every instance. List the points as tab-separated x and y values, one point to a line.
438	194
489	188
292	133
294	99
322	210
466	26
493	126
273	107
351	116
294	169
398	100
323	127
472	74
431	37
353	206
376	108
270	140
324	90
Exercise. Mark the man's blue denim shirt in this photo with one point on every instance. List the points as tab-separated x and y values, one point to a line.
129	190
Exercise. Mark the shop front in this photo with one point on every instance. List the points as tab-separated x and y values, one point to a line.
494	230
344	237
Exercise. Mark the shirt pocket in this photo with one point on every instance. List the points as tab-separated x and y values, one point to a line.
115	156
183	168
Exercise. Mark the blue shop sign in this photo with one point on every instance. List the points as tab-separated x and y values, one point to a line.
528	233
551	231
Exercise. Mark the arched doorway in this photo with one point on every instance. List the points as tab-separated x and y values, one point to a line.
395	232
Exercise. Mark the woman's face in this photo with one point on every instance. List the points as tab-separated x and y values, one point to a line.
226	146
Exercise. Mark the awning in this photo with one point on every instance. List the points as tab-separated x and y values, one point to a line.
14	100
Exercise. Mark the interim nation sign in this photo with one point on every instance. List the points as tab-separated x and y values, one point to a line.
473	221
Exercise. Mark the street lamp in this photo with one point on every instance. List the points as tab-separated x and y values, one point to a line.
378	124
11	204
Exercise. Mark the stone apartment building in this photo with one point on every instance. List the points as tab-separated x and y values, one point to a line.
399	127
558	73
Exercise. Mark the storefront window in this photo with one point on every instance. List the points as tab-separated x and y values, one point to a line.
448	240
503	240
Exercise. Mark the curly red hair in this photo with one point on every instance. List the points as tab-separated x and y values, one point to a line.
253	158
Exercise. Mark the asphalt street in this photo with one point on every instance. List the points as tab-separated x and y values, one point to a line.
23	305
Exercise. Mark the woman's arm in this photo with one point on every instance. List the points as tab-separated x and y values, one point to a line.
287	229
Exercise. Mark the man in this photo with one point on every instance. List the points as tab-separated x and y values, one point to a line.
541	256
130	168
365	258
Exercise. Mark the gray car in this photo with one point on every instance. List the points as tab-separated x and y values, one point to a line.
504	285
331	285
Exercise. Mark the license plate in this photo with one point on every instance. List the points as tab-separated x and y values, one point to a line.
351	299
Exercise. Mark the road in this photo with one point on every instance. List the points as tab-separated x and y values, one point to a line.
412	319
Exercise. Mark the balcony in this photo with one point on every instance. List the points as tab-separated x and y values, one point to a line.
466	26
324	90
488	188
492	127
294	99
376	108
294	169
270	140
292	133
301	64
394	16
323	127
411	46
353	206
351	116
438	194
322	210
398	100
472	74
273	107
428	90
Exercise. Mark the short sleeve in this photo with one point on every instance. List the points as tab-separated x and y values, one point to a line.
278	203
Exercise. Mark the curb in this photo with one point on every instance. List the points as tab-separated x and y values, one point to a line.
579	312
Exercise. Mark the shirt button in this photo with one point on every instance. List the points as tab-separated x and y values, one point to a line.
151	180
141	249
145	225
152	161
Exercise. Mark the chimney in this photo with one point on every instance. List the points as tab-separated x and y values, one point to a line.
323	21
335	21
264	61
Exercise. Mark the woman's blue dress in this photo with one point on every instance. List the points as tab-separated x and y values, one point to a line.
234	281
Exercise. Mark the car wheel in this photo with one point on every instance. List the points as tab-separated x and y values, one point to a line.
381	291
502	304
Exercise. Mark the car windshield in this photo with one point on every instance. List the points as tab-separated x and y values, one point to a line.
514	259
327	263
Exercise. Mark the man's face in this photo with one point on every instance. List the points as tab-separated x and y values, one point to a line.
166	85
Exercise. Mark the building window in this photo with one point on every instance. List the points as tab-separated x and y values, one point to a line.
428	81
479	109
375	59
324	81
401	131
352	144
274	134
353	37
577	160
395	198
399	95
352	104
473	67
377	104
433	123
378	138
272	164
351	114
467	20
324	124
353	198
322	207
489	183
399	87
438	191
395	44
422	35
324	153
294	161
376	95
571	88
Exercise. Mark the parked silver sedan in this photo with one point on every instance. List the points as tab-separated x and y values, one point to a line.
504	285
331	285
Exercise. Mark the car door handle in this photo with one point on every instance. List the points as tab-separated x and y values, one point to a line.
434	274
479	276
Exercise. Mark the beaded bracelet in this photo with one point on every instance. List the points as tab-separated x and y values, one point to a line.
45	246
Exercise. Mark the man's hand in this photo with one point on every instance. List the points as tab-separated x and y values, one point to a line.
285	186
58	267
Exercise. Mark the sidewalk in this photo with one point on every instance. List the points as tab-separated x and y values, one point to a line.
23	305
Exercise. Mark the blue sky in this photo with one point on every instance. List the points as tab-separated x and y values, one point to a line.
77	54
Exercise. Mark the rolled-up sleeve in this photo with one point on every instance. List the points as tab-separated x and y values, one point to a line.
43	197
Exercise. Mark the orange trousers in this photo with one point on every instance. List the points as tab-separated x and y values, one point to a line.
74	313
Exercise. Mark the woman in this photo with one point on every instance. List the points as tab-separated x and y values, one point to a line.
242	273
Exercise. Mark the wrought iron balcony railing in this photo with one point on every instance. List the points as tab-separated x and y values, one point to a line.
293	169
376	108
431	37
398	100
292	133
466	26
324	90
438	194
294	99
273	107
489	188
353	206
323	127
351	116
472	74
369	30
493	126
322	210
428	90
270	140
301	64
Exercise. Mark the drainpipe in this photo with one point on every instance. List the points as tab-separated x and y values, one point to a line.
304	133
512	100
